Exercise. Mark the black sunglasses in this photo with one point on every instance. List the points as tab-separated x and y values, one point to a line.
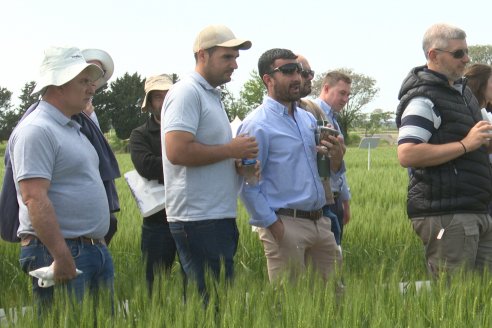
305	73
287	69
457	54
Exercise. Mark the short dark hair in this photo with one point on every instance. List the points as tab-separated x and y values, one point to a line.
265	63
209	50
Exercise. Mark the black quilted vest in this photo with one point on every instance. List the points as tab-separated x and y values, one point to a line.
463	185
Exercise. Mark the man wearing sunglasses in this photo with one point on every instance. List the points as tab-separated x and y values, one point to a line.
336	155
286	205
199	159
445	144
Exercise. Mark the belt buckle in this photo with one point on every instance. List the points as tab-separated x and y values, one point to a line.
315	215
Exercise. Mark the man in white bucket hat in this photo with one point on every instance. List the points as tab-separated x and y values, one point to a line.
63	208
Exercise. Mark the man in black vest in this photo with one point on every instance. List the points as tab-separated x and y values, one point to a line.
445	144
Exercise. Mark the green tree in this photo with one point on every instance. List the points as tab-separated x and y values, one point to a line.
123	104
480	54
251	94
231	104
250	97
9	117
375	121
26	98
7	114
363	91
100	103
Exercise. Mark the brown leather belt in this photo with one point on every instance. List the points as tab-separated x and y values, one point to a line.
27	239
310	215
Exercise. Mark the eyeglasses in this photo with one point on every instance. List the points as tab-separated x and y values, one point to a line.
457	54
287	69
305	73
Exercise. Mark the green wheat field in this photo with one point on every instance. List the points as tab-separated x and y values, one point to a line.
381	254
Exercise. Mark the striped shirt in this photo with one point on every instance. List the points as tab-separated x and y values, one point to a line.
419	121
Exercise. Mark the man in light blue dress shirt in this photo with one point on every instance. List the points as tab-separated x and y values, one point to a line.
334	96
286	205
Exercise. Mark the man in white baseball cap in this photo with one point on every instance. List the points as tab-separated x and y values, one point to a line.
108	164
102	59
63	208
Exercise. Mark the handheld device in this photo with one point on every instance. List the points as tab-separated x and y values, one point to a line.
326	131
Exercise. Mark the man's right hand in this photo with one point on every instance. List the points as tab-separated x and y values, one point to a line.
244	146
64	268
277	229
479	135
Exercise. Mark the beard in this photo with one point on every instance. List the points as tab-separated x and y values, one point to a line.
305	90
287	94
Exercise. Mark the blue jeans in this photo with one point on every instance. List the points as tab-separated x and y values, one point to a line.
335	223
205	245
94	261
158	248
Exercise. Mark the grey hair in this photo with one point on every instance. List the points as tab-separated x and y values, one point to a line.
438	36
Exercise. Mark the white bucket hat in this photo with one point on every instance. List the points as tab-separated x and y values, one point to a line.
60	65
106	61
159	82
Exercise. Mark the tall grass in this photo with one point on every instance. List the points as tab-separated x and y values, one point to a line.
380	251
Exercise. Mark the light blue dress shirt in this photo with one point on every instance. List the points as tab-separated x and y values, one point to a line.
287	153
338	182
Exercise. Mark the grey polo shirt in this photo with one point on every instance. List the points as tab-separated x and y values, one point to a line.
48	145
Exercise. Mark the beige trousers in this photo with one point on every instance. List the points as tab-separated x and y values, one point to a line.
305	243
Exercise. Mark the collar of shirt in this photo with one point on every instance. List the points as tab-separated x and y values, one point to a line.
56	114
275	106
204	83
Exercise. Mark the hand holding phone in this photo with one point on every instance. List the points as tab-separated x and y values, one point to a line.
326	131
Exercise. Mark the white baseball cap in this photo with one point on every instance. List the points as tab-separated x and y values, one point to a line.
106	61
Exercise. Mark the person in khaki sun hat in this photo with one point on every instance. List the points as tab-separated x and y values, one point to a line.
63	208
162	84
199	159
157	244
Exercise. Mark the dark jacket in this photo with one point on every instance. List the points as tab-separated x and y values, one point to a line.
463	185
146	154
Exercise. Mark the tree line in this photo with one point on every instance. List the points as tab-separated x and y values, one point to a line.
118	104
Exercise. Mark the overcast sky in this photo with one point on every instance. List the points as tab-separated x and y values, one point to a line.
381	39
